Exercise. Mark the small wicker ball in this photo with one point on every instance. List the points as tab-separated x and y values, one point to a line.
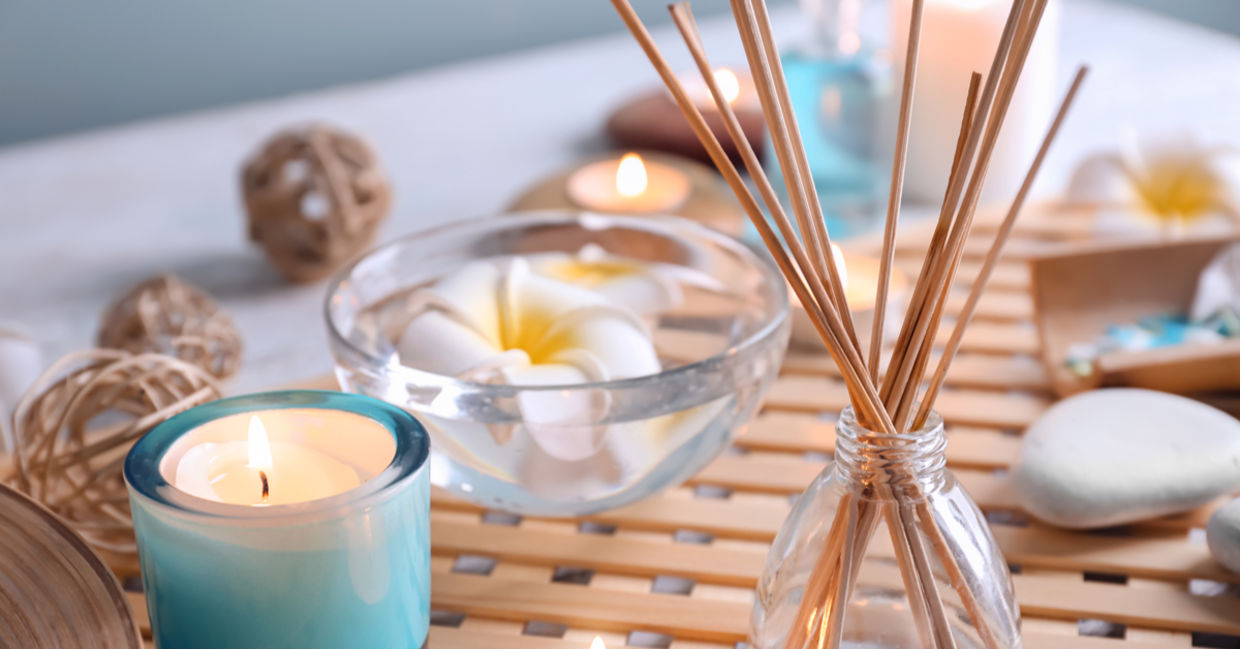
315	198
74	426
167	315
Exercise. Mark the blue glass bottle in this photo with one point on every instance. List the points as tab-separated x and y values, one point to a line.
838	89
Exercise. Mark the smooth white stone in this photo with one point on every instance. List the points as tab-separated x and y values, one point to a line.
1223	535
1119	455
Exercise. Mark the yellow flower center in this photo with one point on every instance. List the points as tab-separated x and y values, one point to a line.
591	273
1175	188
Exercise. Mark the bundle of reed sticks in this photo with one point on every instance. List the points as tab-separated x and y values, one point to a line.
891	401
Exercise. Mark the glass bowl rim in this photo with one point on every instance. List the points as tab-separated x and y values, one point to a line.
413	376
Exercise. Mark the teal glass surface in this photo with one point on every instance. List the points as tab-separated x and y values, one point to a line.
351	570
838	88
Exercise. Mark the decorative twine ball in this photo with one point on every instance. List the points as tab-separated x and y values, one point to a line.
315	197
74	426
168	315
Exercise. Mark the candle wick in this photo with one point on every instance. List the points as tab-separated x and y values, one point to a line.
262	475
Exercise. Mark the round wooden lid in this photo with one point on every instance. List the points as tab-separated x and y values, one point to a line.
54	591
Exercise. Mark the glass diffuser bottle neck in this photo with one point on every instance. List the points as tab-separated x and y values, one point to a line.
836	26
881	466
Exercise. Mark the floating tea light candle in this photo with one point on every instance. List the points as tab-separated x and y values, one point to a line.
628	185
284	519
859	274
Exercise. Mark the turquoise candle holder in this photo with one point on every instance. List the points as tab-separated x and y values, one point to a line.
349	570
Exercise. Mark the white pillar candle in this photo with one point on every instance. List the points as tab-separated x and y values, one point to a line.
959	37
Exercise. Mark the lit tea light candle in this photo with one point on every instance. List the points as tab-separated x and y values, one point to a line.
859	274
257	471
241	502
628	185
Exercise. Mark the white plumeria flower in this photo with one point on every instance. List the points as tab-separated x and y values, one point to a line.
499	322
1173	185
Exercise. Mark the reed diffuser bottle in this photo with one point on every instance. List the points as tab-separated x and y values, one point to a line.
875	589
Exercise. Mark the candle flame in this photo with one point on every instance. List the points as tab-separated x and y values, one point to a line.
728	84
597	643
631	176
259	446
840	267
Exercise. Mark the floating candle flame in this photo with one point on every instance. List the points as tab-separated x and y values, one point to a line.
259	446
631	175
597	643
728	84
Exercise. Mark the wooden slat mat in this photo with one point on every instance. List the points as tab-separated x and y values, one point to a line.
677	570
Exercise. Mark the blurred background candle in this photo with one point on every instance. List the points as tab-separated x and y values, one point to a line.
957	38
628	185
737	87
284	519
859	274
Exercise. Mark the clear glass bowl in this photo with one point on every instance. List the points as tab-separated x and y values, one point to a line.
720	350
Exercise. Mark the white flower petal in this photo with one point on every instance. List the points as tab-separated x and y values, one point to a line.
621	344
558	420
437	343
471	291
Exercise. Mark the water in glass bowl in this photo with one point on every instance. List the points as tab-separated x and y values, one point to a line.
638	437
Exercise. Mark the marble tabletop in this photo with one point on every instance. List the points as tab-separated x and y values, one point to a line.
85	217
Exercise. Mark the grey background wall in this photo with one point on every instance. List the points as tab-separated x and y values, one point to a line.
67	65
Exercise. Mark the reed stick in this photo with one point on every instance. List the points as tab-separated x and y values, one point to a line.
683	18
982	140
955	187
896	192
944	274
893	392
819	224
996	248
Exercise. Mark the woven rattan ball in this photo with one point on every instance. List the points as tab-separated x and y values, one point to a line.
315	197
74	426
168	315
